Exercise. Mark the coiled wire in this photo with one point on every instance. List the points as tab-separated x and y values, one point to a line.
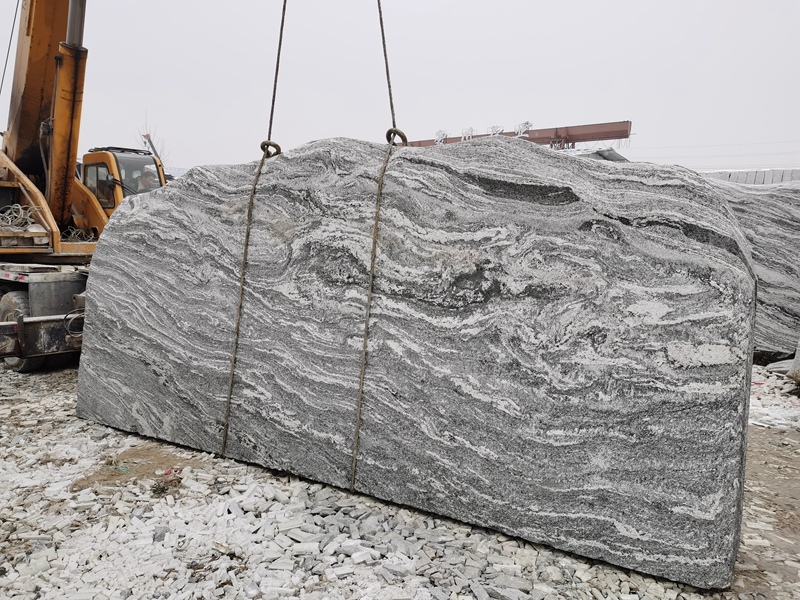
69	322
17	215
73	234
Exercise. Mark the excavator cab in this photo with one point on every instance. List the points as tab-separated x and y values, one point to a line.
114	173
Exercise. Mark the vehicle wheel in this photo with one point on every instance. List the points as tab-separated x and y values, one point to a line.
12	305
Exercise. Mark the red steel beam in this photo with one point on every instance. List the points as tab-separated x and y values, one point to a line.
595	132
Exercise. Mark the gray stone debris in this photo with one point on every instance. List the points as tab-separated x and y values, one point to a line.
770	402
547	334
226	528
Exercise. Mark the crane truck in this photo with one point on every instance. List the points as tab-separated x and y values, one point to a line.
53	208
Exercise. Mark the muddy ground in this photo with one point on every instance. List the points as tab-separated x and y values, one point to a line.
772	510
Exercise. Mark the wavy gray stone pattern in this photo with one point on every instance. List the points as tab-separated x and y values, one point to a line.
770	218
559	348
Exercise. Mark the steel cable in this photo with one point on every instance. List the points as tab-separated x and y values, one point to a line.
390	137
277	68
266	148
386	64
8	51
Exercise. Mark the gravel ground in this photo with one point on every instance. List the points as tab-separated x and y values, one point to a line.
87	512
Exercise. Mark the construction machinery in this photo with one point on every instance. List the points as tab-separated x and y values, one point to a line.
52	210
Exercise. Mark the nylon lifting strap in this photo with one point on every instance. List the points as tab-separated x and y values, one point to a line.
268	149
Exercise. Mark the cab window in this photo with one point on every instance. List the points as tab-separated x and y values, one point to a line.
96	177
139	173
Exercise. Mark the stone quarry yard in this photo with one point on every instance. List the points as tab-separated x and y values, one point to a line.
88	512
772	498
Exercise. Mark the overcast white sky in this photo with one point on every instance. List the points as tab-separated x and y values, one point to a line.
711	84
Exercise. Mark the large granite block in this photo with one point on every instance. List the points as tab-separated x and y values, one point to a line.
559	348
770	219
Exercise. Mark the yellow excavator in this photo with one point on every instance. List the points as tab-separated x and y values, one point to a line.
53	209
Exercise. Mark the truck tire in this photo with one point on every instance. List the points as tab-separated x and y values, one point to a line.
12	305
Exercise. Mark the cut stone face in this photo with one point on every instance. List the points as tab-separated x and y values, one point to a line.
770	219
558	349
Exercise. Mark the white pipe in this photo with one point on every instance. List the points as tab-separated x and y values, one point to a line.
75	21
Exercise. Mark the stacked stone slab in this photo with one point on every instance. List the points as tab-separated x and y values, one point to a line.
559	348
770	219
756	177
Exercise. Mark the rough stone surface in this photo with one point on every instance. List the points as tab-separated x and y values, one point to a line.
770	218
559	349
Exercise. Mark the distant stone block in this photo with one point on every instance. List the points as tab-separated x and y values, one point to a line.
559	348
794	367
770	219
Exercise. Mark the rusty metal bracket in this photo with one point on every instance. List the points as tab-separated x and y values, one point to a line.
39	336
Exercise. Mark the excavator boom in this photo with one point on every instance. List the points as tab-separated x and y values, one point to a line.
42	27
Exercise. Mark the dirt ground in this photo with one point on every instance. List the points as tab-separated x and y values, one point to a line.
152	462
770	549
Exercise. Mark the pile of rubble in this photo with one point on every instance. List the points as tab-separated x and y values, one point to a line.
771	402
91	513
